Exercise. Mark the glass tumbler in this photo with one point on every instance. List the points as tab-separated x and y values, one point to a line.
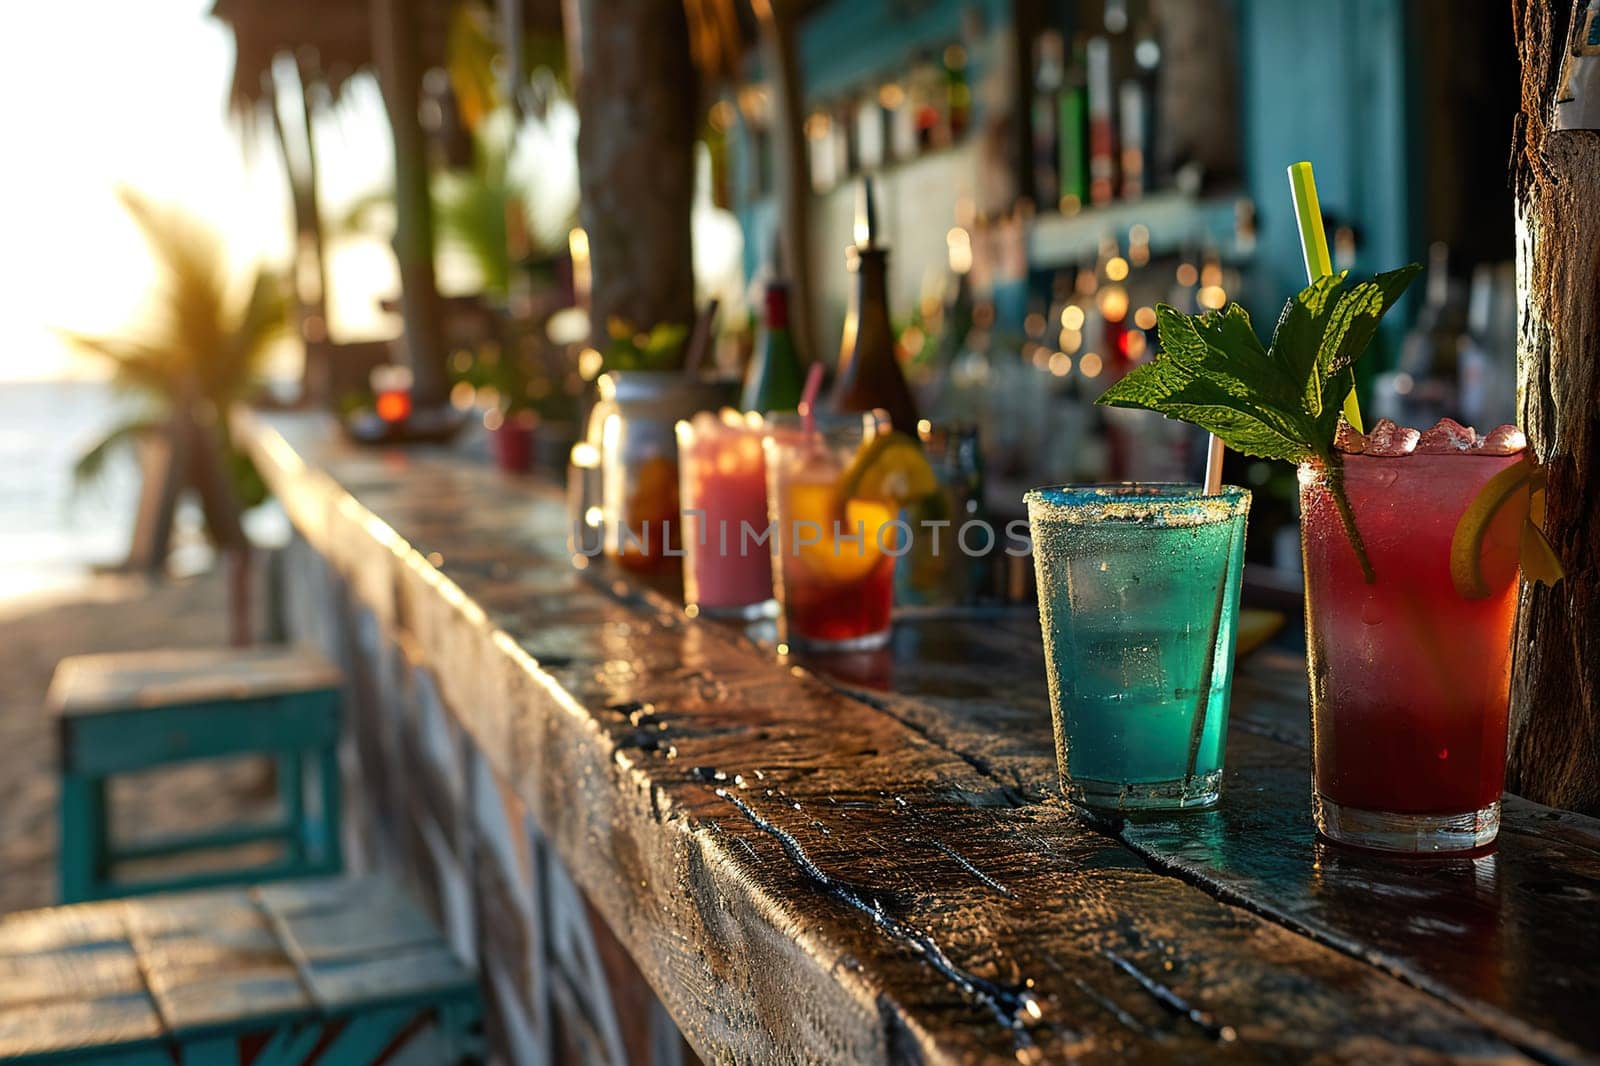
833	558
1139	603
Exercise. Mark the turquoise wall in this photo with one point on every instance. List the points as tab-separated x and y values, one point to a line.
1328	82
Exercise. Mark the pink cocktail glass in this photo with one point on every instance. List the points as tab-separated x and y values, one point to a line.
727	566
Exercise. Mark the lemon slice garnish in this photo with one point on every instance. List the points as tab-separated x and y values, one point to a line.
837	558
1510	486
891	467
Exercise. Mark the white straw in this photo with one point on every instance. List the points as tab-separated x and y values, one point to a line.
1214	467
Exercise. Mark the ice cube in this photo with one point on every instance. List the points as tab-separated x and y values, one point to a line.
1504	440
1389	439
1447	436
1349	439
1142	669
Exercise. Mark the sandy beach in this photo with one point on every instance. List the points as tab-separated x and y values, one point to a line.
107	614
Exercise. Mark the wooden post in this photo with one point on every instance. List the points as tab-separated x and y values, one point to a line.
394	44
308	269
310	221
636	107
1555	696
511	35
791	171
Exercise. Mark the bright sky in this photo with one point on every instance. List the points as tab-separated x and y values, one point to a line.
102	92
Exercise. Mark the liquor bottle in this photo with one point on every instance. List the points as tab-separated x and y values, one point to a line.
955	328
820	151
869	363
1102	129
774	379
958	91
929	100
871	129
1072	134
1133	110
1045	120
846	149
902	121
1428	375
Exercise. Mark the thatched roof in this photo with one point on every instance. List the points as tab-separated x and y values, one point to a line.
333	36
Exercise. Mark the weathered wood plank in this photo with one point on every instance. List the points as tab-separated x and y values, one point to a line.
1508	938
97	684
805	872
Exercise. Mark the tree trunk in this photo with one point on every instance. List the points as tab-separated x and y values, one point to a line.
1555	696
394	30
636	110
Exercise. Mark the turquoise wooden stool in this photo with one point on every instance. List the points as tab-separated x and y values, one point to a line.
126	712
332	972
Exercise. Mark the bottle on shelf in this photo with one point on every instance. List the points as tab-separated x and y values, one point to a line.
958	90
869	374
1115	17
1072	137
1101	117
846	149
1487	359
1424	387
820	150
774	379
901	120
955	327
1045	119
871	122
1133	116
929	100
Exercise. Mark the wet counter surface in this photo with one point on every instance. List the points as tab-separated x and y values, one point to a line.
864	859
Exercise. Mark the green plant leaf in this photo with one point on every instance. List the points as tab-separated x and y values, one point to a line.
1169	388
1280	402
1364	306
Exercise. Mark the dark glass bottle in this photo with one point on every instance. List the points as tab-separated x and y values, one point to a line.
869	364
774	380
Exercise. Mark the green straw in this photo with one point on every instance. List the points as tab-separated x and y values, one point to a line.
1314	245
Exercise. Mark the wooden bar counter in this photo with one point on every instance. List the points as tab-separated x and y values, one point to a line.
640	825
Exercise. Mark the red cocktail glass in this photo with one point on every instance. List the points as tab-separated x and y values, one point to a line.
833	557
1409	677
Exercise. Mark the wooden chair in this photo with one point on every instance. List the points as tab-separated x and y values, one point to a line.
126	712
336	972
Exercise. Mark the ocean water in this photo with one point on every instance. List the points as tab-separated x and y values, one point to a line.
54	535
51	533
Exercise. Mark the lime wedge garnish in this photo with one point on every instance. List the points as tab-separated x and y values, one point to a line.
1509	486
891	467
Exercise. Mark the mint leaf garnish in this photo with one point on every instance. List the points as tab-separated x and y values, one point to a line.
1280	402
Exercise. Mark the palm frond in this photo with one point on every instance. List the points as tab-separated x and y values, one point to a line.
91	464
471	50
134	364
193	262
247	336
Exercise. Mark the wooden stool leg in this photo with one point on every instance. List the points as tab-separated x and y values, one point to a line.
302	839
461	1025
83	846
329	784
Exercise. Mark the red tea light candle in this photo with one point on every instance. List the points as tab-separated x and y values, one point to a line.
391	387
